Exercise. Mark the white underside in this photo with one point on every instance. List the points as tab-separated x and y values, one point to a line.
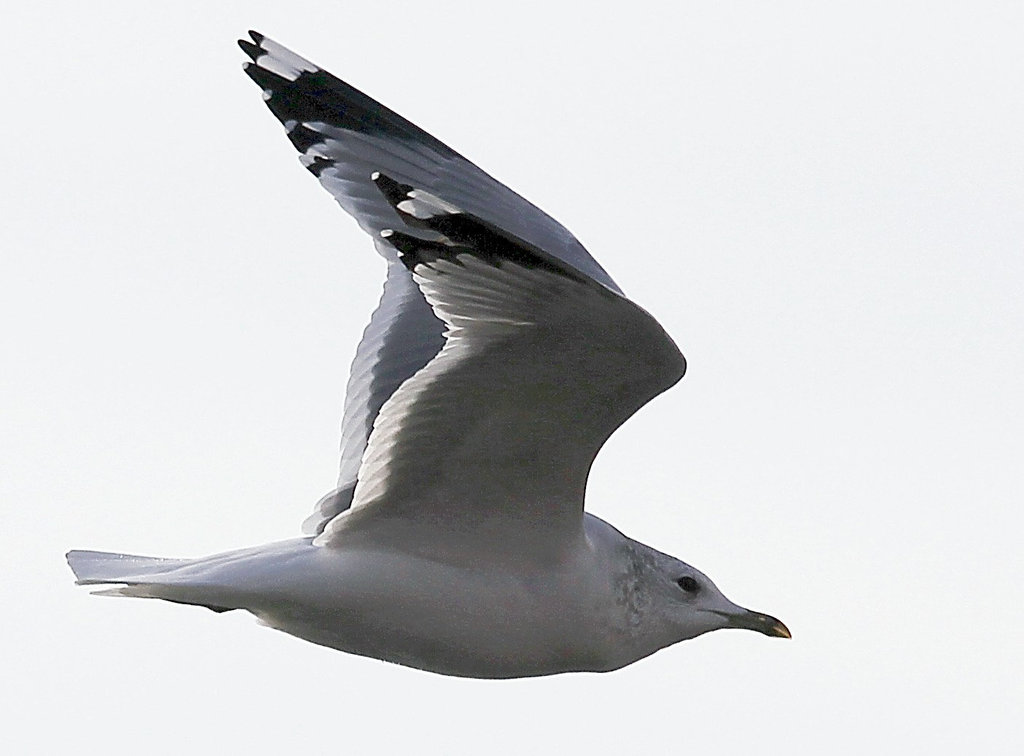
463	613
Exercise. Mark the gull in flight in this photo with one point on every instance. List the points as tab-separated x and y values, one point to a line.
500	359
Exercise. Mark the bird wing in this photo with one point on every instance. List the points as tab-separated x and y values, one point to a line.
344	136
541	363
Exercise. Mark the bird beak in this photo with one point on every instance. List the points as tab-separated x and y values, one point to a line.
762	623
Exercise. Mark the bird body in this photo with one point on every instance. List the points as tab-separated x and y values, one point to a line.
585	604
500	359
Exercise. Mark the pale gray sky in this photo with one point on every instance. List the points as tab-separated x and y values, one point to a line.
824	206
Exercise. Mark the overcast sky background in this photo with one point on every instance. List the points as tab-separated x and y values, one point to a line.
823	205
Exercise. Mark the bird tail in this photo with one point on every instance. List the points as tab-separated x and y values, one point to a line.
147	577
93	567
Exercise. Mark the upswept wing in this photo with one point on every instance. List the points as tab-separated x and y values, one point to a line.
344	136
541	363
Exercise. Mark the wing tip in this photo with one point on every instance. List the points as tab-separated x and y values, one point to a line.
393	191
253	51
253	48
413	251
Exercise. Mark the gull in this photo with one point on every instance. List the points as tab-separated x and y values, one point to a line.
499	360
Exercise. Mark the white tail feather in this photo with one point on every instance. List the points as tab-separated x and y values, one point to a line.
91	567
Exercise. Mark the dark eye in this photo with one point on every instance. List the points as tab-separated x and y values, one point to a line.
688	584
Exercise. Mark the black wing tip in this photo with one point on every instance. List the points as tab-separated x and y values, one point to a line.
314	94
253	51
303	137
463	233
264	79
393	191
413	251
317	164
406	245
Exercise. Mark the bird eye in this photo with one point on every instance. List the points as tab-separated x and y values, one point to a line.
688	584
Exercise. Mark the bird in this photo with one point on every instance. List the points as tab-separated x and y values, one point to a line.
500	358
